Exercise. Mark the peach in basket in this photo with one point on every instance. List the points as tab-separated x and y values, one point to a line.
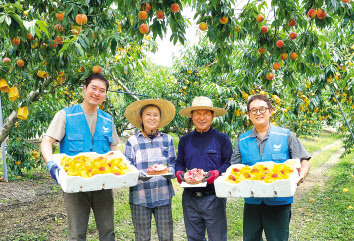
87	167
266	173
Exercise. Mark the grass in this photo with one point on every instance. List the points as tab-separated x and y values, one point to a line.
30	237
317	142
322	157
122	219
234	211
330	216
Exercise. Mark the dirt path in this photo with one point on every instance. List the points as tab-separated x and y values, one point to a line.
316	176
315	179
29	207
336	143
34	208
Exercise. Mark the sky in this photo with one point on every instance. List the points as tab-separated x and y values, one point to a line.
167	49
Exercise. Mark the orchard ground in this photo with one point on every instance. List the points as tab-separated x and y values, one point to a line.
32	208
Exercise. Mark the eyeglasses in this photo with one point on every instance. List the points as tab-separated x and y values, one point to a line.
261	110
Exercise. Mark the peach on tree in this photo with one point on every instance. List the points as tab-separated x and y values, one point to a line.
321	14
280	43
144	28
261	50
292	22
175	7
143	15
260	18
312	13
160	14
224	20
203	26
284	56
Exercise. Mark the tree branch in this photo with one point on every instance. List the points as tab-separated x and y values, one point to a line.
4	71
126	89
244	9
206	66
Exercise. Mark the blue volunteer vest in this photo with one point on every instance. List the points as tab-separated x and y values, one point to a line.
78	136
276	149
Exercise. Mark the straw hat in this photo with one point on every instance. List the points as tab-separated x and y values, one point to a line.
202	103
168	111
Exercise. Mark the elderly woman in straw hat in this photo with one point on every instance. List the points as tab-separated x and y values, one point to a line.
208	149
152	195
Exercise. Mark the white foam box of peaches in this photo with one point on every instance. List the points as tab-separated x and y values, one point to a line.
73	184
257	188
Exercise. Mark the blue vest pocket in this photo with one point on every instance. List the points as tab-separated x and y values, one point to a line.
279	157
250	159
106	143
76	142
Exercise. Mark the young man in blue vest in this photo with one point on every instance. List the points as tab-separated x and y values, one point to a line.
84	128
266	142
208	149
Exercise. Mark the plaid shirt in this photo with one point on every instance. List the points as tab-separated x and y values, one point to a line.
143	152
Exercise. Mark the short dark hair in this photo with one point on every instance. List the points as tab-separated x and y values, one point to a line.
259	97
98	77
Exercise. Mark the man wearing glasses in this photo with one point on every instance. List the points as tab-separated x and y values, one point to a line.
266	142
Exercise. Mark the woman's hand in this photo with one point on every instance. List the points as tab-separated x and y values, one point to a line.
143	176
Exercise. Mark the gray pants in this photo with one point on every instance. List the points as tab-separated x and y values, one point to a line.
142	222
78	207
204	213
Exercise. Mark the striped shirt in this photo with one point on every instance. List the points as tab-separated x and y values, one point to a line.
143	152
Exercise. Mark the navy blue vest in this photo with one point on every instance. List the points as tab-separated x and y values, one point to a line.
78	136
276	149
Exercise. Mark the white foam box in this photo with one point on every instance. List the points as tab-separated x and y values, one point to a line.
72	184
256	188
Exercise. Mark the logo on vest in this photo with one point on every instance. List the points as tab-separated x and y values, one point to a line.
105	129
276	148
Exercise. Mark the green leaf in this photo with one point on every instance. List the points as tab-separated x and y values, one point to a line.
86	74
82	42
113	46
43	26
181	39
64	48
8	20
2	18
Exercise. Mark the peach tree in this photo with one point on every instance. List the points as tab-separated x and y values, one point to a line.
52	48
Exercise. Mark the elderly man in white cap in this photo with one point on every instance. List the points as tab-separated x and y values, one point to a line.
208	149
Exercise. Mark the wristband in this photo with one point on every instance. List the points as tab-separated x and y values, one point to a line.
50	164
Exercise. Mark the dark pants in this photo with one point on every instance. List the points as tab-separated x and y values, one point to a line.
142	222
274	220
204	213
78	207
